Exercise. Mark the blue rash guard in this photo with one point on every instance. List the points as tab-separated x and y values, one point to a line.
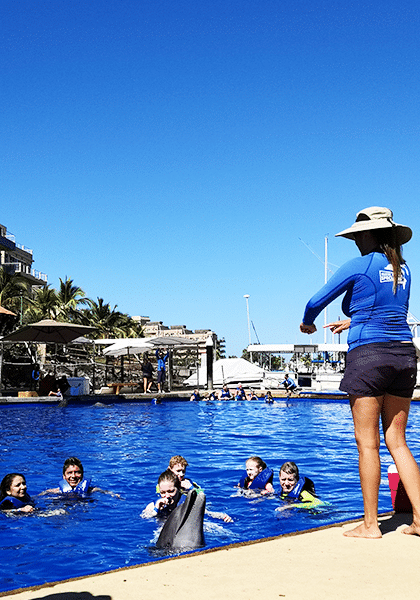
377	314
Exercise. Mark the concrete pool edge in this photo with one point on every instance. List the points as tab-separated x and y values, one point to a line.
150	571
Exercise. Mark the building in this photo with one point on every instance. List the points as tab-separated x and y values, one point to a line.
157	329
17	259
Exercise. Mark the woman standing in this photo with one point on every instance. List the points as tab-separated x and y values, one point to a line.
381	364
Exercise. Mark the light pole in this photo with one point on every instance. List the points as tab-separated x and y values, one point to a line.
246	296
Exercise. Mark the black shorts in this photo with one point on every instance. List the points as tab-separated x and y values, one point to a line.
376	369
161	376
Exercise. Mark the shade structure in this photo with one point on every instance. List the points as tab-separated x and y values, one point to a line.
171	341
49	331
128	346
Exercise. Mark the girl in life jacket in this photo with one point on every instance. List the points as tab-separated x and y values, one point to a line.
13	494
295	490
257	476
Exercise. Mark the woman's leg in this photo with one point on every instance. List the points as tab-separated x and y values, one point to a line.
394	420
366	412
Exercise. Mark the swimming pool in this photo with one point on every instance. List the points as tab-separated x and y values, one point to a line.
125	447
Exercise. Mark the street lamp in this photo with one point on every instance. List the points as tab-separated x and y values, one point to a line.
246	296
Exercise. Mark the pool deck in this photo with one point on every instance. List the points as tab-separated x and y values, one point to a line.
168	396
319	564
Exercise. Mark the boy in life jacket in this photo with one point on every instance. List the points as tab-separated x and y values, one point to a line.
297	491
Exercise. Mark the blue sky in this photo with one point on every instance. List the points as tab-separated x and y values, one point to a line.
172	157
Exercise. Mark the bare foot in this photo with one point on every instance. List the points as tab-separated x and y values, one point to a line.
361	531
412	530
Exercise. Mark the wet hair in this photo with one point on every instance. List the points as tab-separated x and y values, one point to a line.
178	460
72	461
7	482
259	462
168	475
387	243
290	468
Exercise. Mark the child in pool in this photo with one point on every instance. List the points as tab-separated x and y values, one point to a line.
257	476
171	496
269	398
178	465
297	491
13	494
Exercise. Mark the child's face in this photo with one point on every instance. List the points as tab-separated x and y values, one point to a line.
17	488
179	471
168	491
73	475
252	469
287	481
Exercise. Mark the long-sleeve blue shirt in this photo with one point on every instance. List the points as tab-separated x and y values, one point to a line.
377	314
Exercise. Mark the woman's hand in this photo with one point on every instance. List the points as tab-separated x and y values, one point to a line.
307	328
338	326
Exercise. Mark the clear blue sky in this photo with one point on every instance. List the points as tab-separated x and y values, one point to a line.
171	157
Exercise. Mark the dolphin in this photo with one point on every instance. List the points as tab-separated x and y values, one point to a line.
184	526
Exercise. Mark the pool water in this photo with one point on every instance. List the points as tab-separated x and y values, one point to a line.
125	447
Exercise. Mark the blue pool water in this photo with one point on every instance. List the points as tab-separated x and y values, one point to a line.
126	446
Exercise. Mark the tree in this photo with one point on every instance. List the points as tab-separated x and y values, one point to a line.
110	323
12	289
69	297
44	305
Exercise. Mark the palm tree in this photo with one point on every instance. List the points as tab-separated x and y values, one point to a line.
13	289
44	305
109	321
69	298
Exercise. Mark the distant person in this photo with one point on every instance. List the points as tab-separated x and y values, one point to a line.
13	494
240	393
296	490
381	365
269	398
289	385
147	371
252	395
195	396
257	476
224	393
161	369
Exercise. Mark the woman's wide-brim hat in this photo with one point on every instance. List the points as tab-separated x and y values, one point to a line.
376	217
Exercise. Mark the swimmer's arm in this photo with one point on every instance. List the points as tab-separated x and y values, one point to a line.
149	512
50	491
97	489
219	515
25	509
269	489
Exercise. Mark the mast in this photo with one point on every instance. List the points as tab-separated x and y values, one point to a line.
325	281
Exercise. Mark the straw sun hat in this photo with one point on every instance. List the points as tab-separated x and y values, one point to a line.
376	217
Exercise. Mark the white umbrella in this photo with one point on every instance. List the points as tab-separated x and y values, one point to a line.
171	341
128	346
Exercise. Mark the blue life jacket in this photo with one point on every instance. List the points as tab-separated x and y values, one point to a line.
260	481
81	489
16	502
303	483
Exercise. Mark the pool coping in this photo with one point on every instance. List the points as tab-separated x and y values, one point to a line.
389	518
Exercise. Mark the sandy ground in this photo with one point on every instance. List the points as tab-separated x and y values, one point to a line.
320	564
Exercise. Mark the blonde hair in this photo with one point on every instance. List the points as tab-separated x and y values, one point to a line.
178	460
